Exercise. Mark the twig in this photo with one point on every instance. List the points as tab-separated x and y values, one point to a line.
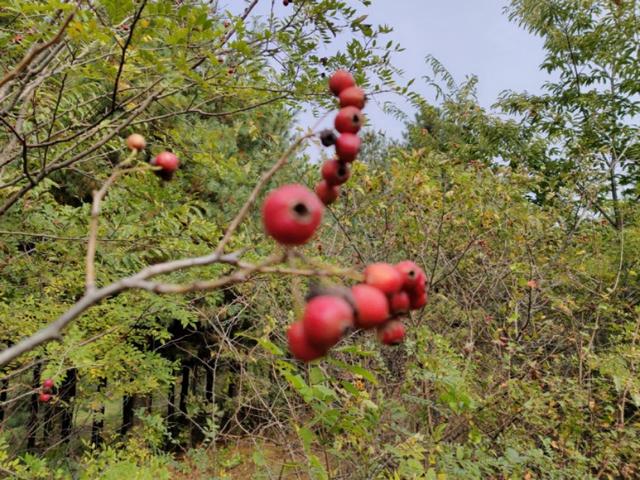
59	165
54	330
114	94
98	195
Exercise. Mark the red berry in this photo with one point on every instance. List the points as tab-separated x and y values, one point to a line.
352	97
392	333
335	172
371	304
326	319
47	384
135	141
349	120
400	302
44	397
299	345
291	214
412	274
341	80
384	277
418	299
347	147
327	193
167	161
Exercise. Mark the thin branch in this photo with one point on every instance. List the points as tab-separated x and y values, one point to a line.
54	330
127	42
23	142
59	165
211	114
98	195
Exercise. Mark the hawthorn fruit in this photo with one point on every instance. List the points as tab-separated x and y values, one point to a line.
327	193
299	344
372	306
348	147
326	319
349	120
291	214
352	97
392	333
384	277
340	81
335	172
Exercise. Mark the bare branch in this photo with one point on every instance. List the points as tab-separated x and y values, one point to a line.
98	195
127	42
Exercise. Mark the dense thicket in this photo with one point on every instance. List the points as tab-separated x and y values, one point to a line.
523	365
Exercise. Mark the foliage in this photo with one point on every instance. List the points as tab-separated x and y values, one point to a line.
525	362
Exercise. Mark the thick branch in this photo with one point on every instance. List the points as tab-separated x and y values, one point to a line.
54	330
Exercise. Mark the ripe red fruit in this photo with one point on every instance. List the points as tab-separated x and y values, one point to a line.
327	193
418	299
335	172
347	147
167	161
413	276
341	80
47	384
326	319
349	120
384	277
400	302
371	304
135	141
352	97
299	345
291	214
44	397
392	333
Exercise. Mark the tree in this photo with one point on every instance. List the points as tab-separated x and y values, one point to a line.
589	107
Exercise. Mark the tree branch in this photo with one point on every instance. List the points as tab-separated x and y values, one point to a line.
98	195
127	42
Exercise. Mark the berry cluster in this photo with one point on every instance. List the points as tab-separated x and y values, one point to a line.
348	122
292	213
45	393
167	161
388	292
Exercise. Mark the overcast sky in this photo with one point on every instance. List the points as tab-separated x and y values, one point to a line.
467	37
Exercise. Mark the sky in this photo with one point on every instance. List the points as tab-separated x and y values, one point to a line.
467	37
